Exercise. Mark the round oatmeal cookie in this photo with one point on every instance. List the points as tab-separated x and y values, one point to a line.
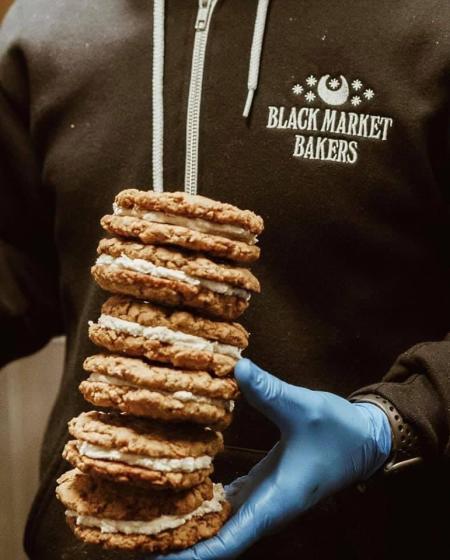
136	387
150	438
133	518
128	449
118	472
95	497
187	535
190	206
168	292
139	373
180	338
192	265
166	234
151	315
185	340
152	404
173	278
157	351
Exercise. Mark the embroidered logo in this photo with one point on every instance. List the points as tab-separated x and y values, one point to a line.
332	133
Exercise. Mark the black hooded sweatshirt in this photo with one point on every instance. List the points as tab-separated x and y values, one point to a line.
345	153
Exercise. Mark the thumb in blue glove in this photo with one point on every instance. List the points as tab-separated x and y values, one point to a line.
326	443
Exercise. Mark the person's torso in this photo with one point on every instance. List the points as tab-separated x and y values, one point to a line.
343	155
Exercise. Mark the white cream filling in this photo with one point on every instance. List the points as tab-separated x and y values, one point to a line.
146	267
197	224
184	396
161	464
155	526
169	336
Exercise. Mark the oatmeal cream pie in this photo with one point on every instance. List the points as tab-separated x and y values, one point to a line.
119	516
137	328
173	277
140	451
141	388
190	221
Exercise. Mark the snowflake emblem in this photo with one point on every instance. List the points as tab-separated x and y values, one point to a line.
297	89
356	100
334	83
310	96
357	85
311	80
369	94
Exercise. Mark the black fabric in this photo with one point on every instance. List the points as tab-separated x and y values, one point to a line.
29	297
418	384
354	266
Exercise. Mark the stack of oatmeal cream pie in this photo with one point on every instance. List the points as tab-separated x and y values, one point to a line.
176	266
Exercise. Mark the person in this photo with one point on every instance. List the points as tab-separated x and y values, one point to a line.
331	121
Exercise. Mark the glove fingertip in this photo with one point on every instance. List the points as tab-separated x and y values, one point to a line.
243	368
261	389
249	375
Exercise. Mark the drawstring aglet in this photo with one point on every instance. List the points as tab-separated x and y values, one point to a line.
248	102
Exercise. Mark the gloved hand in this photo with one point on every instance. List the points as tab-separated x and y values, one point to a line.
326	443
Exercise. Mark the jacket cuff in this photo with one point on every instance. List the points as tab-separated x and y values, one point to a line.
405	450
418	385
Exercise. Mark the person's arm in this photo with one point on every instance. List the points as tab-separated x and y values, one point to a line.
418	385
29	302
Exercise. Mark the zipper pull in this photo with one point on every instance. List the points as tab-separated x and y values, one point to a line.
204	7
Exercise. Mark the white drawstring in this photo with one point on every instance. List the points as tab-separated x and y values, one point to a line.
255	56
157	94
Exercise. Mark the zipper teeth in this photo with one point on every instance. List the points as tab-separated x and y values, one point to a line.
157	95
193	122
194	103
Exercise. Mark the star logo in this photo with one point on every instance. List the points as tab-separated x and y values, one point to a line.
333	89
297	89
334	83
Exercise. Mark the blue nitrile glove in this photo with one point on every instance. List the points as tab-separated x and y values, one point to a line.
326	443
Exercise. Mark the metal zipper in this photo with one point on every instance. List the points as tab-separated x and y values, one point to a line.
202	22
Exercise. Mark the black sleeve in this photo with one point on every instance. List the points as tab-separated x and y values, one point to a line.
418	385
29	301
